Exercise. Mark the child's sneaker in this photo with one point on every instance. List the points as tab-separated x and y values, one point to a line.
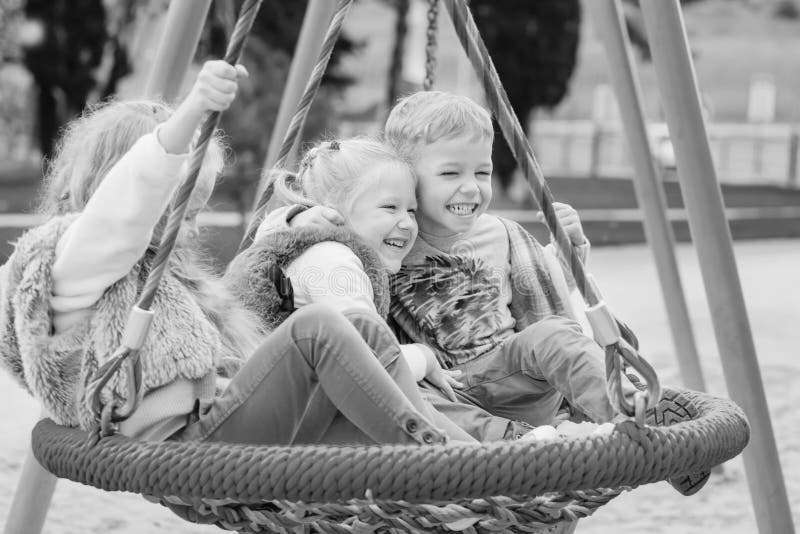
673	408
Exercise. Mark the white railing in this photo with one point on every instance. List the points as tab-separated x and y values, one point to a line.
742	153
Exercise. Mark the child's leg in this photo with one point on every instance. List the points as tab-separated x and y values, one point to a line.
469	416
555	350
272	396
383	342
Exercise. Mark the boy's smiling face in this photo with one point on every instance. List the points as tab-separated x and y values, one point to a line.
454	184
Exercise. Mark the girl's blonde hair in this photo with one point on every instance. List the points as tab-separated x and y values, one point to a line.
89	147
332	171
91	144
427	116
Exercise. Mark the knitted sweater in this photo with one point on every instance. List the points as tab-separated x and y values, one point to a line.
183	342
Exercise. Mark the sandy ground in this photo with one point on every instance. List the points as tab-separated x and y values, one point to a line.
628	278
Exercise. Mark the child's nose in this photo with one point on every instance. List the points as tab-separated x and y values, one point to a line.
406	221
469	186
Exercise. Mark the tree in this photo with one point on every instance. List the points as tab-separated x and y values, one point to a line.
268	54
63	61
533	45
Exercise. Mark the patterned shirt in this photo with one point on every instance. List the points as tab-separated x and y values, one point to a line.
464	295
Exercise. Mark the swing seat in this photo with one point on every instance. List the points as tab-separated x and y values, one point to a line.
501	486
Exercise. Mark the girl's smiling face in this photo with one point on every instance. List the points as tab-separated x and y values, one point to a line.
383	213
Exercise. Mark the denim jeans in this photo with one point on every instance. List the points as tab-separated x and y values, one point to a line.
531	372
316	380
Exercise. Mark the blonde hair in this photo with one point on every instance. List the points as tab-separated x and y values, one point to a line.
427	116
332	171
90	145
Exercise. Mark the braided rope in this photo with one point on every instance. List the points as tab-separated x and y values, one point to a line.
299	118
476	51
489	515
706	431
478	54
108	414
244	23
431	45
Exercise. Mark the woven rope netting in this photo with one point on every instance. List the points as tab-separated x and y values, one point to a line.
249	488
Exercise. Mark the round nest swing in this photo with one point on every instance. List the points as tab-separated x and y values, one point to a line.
502	486
520	486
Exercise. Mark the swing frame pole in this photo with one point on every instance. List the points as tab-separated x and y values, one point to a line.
607	16
316	20
703	198
32	497
176	49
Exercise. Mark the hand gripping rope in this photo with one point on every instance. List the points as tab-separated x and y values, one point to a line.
108	413
617	348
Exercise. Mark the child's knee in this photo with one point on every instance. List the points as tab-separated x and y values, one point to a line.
552	326
366	321
318	315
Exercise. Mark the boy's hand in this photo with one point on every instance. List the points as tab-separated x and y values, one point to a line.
569	219
443	379
321	217
216	86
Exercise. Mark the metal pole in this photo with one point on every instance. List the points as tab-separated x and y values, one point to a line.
703	198
185	20
312	34
31	498
608	20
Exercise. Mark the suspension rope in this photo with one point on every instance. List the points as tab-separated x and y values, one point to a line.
298	120
478	54
431	45
141	315
476	50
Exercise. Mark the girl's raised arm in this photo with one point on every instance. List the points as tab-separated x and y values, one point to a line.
113	231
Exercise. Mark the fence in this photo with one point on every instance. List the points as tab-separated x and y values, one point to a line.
742	153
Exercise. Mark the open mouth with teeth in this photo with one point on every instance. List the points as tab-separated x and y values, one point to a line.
396	243
462	209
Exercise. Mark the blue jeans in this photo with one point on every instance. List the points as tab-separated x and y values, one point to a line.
316	380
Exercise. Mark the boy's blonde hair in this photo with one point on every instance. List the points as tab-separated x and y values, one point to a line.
332	171
91	144
427	116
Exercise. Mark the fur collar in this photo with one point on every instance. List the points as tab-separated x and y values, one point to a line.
251	274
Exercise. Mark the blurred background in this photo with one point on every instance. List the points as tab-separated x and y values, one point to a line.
59	56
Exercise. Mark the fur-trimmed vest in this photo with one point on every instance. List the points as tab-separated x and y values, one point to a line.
256	275
183	340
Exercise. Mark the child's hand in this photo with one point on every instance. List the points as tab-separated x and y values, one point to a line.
321	217
569	219
214	90
216	86
443	379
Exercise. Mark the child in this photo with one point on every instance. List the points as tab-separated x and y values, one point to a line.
67	289
371	192
475	287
